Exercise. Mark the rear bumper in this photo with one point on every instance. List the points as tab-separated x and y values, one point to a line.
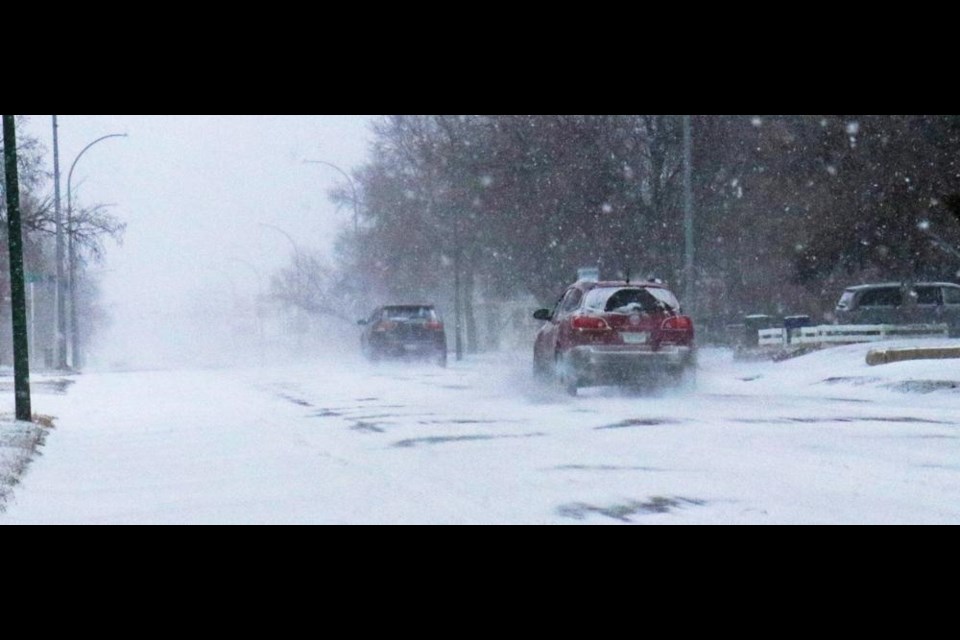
599	364
395	346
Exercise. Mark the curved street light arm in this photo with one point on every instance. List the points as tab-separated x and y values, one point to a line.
353	189
80	155
296	249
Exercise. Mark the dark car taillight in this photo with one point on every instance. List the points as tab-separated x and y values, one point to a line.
385	325
434	325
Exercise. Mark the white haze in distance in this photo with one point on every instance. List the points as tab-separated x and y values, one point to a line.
199	194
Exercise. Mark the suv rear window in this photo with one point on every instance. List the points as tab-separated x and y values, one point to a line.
609	299
951	295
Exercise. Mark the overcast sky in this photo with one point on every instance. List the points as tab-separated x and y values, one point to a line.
196	193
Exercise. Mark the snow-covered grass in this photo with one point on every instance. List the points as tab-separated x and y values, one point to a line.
822	438
19	442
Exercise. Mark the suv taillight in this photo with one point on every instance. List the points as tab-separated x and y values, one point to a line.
677	323
385	325
589	323
434	325
677	330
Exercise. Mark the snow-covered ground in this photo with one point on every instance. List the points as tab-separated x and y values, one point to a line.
819	439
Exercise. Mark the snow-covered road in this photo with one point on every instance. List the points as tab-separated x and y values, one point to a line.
819	439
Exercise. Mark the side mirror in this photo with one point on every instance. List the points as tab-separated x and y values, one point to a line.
542	314
362	323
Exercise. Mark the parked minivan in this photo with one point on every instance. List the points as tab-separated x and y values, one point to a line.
899	303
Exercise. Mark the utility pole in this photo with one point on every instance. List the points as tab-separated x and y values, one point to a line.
60	348
21	354
688	269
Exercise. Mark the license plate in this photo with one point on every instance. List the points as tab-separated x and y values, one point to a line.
634	338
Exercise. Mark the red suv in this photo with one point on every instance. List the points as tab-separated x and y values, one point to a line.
603	333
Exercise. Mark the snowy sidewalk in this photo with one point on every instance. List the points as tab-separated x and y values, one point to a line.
193	447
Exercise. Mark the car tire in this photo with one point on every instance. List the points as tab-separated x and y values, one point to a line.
566	377
686	379
541	373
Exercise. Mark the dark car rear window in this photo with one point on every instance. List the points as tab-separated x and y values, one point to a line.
409	313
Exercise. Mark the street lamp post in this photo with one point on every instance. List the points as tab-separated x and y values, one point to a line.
60	346
299	267
258	305
363	294
353	189
296	249
72	252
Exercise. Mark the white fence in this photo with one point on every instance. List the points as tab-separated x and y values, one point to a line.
846	333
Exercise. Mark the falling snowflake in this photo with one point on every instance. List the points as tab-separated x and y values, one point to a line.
853	128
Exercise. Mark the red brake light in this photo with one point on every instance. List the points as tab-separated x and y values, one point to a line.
589	323
435	325
385	325
678	323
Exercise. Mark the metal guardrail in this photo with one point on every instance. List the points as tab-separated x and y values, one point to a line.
849	333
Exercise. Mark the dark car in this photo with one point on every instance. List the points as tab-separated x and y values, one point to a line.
404	331
900	303
603	333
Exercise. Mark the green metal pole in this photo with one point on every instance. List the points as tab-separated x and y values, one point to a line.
21	355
